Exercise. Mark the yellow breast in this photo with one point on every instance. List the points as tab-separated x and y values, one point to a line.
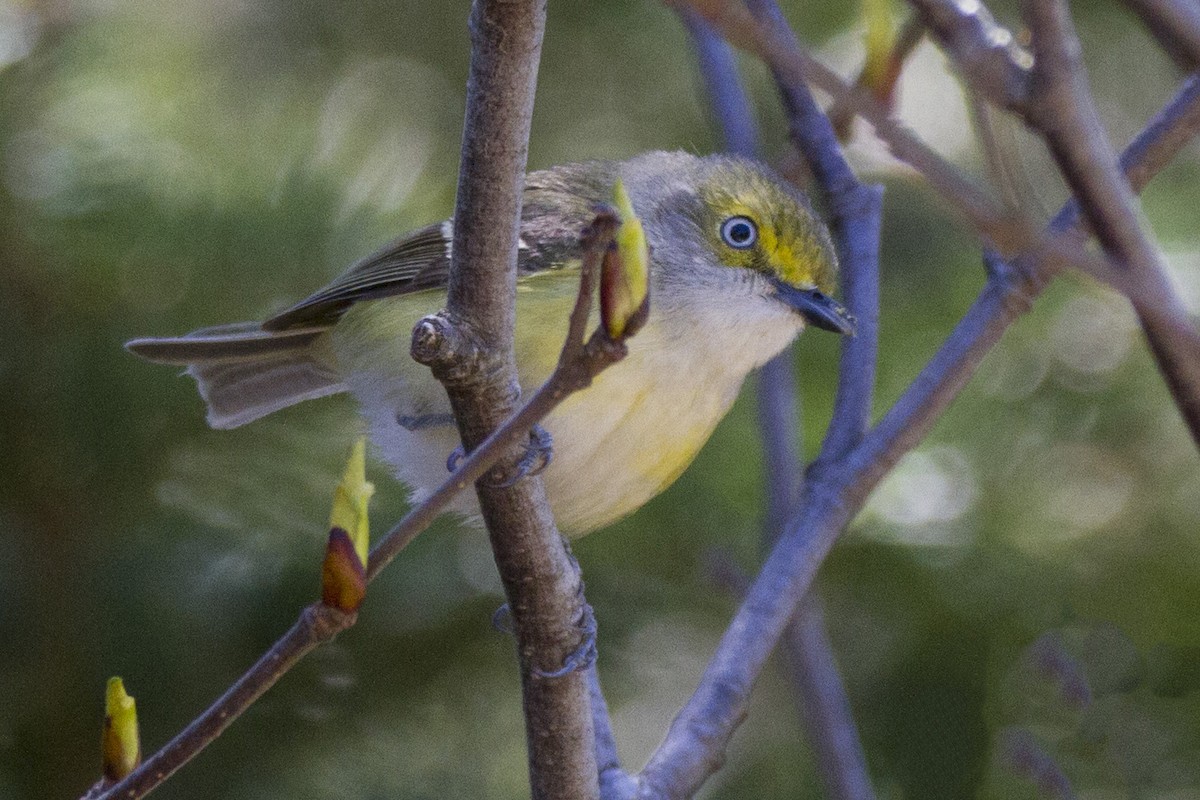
616	444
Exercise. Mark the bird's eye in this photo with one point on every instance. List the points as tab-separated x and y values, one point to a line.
739	232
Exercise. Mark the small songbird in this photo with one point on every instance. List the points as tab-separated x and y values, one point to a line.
739	265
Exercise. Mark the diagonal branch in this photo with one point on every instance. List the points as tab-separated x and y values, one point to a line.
825	709
1061	108
1053	99
1176	25
578	365
698	736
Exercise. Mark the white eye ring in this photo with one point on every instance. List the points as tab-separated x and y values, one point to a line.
739	232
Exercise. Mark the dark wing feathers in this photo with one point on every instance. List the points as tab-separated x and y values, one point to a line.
557	204
417	261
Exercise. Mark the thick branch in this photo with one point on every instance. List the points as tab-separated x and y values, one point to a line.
541	579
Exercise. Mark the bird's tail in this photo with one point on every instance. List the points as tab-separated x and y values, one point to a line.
244	372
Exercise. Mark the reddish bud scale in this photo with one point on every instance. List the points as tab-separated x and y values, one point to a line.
343	574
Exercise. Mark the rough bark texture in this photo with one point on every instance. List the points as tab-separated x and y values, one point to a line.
541	579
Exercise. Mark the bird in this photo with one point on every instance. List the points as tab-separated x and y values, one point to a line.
740	264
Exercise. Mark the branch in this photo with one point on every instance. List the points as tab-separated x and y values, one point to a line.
615	783
833	736
316	625
827	716
882	86
986	53
1053	99
1176	25
1061	108
1004	229
469	347
579	363
696	740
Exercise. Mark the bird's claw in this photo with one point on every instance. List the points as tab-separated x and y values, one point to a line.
457	455
538	455
581	658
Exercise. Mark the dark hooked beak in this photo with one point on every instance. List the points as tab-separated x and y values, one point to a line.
817	308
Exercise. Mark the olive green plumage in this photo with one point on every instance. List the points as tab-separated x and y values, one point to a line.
739	264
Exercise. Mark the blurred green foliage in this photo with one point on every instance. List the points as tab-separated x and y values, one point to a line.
1023	592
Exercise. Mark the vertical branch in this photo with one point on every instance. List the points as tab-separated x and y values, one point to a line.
826	710
1061	108
856	211
827	716
470	350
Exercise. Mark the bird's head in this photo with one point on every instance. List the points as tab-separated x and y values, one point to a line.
731	224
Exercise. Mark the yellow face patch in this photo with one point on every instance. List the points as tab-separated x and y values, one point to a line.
788	242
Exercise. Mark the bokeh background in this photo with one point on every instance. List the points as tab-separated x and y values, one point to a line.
1028	581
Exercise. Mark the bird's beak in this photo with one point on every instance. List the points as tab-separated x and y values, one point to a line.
817	308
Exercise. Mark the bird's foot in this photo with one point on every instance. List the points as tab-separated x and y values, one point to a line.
502	620
538	455
580	658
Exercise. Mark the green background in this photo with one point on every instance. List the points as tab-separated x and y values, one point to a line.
1030	574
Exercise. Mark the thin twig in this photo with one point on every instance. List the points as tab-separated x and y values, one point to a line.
911	34
827	716
615	782
316	625
728	103
696	740
1062	110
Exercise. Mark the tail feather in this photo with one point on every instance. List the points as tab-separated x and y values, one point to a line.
244	372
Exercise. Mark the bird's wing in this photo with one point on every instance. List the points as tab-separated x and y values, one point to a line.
420	260
557	204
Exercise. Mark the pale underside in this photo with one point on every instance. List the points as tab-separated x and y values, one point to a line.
616	444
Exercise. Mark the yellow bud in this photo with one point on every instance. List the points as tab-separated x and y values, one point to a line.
625	274
119	743
350	500
881	69
343	573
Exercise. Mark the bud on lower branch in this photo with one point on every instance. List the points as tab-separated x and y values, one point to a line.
344	571
119	743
